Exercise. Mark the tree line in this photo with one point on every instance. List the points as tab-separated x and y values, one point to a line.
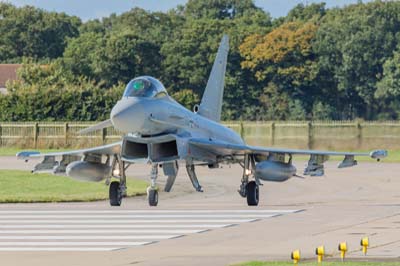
313	64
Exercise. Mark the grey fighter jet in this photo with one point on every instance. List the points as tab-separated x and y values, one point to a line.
161	132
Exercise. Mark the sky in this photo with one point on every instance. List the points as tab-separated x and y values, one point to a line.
90	9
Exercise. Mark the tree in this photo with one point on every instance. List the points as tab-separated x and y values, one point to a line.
389	85
322	111
80	54
221	9
315	63
284	57
301	12
47	93
187	98
32	32
352	44
188	57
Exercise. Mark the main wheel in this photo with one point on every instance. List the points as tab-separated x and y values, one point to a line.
115	194
252	193
153	197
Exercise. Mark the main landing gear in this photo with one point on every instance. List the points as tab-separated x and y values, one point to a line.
252	193
115	194
249	189
117	189
193	177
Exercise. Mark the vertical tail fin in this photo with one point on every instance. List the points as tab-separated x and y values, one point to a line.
211	103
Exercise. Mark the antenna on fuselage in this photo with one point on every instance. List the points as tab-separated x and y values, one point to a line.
211	103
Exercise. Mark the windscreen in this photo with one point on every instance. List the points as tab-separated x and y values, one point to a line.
144	87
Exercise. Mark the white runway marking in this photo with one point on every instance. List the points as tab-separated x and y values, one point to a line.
141	211
107	226
152	216
107	230
80	237
125	221
110	244
138	231
56	249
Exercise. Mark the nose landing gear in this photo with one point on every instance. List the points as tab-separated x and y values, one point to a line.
152	191
153	197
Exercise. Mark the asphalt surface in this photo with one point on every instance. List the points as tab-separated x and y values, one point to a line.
215	227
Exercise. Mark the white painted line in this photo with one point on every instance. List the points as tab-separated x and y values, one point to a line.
152	216
109	244
126	221
79	237
140	211
108	231
23	249
108	226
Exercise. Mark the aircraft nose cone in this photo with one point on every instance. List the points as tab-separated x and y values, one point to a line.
128	116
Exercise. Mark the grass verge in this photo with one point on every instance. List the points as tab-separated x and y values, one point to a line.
313	263
22	186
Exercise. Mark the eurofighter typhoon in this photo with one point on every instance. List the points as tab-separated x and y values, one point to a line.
161	132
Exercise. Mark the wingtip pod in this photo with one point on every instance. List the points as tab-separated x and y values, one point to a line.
378	154
24	155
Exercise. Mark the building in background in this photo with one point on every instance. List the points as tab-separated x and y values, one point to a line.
8	72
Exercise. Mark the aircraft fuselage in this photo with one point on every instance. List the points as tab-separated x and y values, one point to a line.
158	116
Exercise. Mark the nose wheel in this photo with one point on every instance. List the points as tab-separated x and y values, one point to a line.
152	191
153	197
252	193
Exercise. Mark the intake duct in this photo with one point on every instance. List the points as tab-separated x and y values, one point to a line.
164	151
134	150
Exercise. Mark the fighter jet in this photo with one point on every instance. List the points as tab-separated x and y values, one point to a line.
162	133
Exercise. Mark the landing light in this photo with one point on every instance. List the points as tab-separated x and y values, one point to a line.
365	244
116	172
247	172
295	256
343	249
320	252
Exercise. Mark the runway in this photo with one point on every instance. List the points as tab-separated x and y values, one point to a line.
105	230
215	227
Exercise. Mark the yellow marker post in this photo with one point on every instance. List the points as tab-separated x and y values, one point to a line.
343	249
295	256
320	252
365	244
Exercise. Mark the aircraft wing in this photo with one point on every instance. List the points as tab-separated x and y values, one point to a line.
315	163
109	149
50	163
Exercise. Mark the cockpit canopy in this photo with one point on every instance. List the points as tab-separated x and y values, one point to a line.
145	86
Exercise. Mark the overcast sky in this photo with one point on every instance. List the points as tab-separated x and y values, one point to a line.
89	9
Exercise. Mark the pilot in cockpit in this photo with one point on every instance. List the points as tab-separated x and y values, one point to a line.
145	86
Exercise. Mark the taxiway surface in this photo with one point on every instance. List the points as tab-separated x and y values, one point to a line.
344	205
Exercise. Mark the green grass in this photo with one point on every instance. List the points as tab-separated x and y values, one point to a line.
314	263
22	186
